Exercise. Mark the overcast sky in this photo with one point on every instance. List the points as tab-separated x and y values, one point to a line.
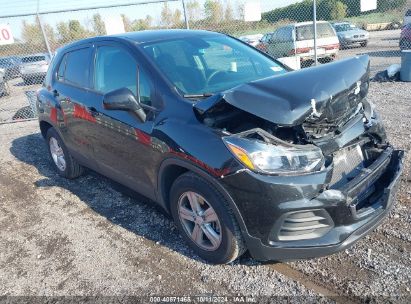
8	7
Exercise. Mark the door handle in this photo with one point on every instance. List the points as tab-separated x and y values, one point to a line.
93	111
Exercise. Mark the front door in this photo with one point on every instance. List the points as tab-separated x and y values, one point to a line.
123	147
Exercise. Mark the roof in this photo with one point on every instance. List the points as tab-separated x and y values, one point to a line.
341	22
155	35
147	36
309	22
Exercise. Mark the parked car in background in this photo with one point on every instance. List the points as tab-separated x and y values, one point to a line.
33	68
349	34
242	153
407	17
252	40
298	40
11	66
405	38
4	90
263	43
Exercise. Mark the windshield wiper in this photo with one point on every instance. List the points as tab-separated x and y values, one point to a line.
203	95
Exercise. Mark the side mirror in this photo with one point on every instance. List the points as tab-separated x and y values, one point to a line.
123	100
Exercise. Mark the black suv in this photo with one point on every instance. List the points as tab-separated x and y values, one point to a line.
242	152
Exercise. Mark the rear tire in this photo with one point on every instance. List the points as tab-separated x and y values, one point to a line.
217	238
63	162
364	44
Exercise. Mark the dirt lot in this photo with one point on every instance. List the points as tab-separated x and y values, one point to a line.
89	237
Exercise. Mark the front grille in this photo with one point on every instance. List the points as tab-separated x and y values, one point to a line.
348	163
302	225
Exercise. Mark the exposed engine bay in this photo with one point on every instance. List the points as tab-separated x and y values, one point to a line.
328	110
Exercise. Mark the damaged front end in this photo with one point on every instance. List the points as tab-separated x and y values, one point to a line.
309	119
320	169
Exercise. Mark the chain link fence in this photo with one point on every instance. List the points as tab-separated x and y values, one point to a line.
285	32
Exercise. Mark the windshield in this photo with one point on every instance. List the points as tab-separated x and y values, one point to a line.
344	27
210	64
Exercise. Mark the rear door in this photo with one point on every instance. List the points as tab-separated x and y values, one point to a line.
123	144
71	90
285	43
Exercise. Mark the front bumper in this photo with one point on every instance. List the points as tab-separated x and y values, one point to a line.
264	200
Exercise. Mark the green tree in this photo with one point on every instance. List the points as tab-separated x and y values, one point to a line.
228	15
166	16
176	19
127	23
99	27
339	11
76	30
71	30
213	10
332	10
63	32
142	24
193	10
32	34
354	7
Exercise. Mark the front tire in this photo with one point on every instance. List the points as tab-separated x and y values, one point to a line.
364	44
205	220
63	162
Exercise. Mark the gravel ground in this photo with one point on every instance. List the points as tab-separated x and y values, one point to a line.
383	49
381	263
85	237
91	236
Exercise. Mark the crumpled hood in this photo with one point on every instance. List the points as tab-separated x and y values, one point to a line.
323	93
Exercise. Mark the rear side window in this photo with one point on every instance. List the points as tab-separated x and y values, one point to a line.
306	32
284	35
75	68
408	13
62	68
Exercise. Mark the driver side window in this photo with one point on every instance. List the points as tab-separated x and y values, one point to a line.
115	68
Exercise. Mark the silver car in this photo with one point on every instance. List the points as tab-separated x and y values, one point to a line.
33	68
348	34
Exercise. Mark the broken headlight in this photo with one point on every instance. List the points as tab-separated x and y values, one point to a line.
275	157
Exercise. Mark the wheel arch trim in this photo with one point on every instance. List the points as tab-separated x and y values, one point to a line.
172	161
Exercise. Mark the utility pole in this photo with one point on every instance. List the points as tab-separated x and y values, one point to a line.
185	14
43	31
315	31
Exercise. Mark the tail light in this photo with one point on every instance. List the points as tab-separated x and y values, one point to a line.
300	51
332	47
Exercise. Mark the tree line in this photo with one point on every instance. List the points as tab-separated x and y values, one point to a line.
327	10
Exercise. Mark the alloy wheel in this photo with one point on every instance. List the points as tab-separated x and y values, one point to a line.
200	221
57	154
